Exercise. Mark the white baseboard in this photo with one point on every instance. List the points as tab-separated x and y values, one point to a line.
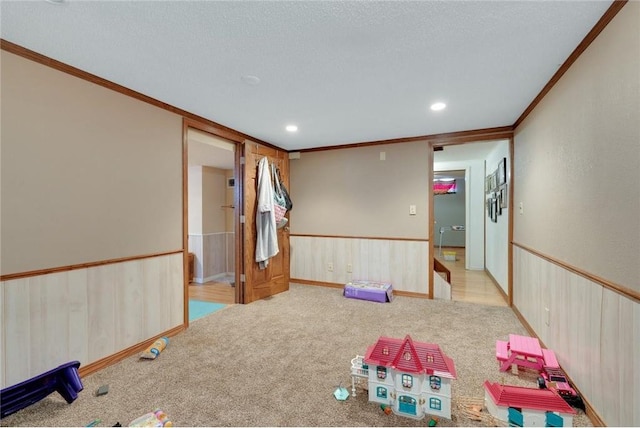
212	278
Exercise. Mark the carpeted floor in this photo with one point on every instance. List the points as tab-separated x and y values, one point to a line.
199	309
276	362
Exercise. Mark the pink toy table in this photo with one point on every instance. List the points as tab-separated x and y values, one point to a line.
524	352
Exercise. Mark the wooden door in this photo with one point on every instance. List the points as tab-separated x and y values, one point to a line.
274	279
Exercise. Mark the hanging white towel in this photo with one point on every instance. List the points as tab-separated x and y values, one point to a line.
267	236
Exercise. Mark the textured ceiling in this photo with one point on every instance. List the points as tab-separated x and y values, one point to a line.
343	72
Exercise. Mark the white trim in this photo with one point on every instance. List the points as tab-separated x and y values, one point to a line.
213	277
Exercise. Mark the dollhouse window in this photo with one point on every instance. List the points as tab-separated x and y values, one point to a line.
381	392
435	403
429	358
407	356
434	382
407	381
385	350
382	372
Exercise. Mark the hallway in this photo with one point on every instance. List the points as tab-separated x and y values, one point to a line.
473	286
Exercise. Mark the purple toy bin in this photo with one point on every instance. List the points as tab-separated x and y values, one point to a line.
64	379
369	290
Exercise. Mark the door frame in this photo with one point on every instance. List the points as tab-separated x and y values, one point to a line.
492	134
466	210
237	197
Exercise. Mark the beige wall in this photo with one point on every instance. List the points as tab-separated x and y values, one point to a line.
214	195
577	175
194	190
88	174
577	157
351	192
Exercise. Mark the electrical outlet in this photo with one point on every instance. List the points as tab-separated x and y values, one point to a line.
330	267
547	316
412	210
521	207
349	268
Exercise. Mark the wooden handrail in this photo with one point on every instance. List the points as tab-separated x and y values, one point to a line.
439	267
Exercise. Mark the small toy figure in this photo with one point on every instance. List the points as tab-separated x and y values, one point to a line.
341	393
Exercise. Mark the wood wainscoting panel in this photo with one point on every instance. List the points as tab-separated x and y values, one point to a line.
594	331
2	360
16	327
174	287
214	255
441	288
195	247
153	282
101	294
129	298
78	314
87	314
620	359
404	263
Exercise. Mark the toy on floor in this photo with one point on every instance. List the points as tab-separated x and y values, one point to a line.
522	351
341	393
527	352
103	390
157	418
64	379
386	409
473	408
154	349
522	406
555	378
412	378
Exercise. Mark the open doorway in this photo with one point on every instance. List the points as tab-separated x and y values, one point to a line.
470	278
449	209
211	218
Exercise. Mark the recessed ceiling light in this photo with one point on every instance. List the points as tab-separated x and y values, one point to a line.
56	1
291	128
438	106
250	80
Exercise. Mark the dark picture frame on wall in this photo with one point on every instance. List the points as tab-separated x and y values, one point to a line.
503	196
494	210
502	172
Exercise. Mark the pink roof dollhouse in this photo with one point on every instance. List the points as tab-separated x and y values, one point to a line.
413	378
522	406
